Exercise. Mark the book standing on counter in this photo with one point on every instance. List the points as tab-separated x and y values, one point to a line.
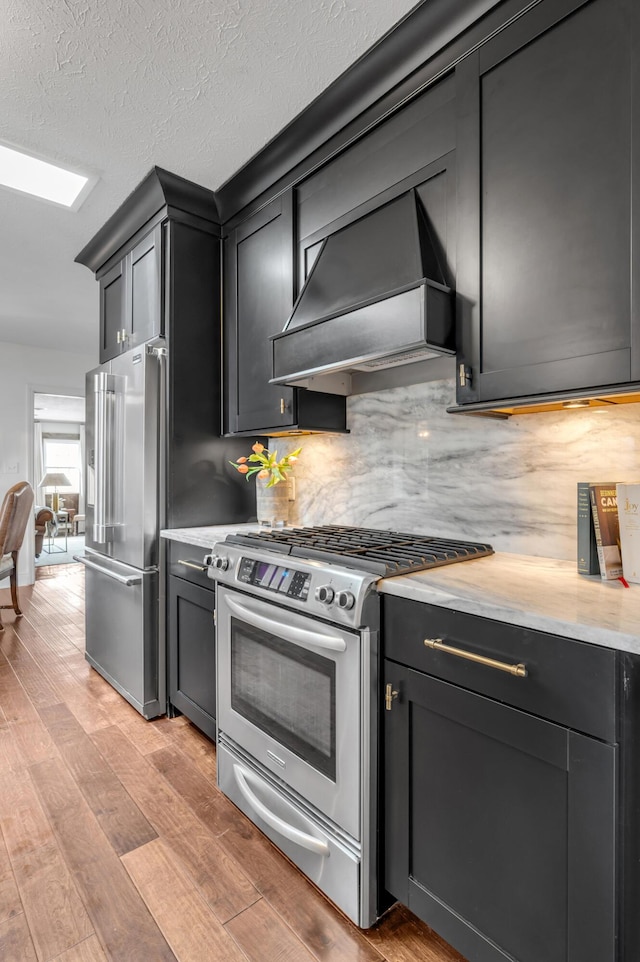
629	521
588	563
604	508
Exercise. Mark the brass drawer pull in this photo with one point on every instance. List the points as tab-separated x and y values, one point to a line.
389	694
190	564
519	670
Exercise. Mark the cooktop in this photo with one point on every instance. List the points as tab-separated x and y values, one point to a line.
383	553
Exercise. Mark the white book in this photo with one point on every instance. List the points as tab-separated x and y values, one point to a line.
629	519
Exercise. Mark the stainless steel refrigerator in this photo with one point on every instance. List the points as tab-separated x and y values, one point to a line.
154	459
126	454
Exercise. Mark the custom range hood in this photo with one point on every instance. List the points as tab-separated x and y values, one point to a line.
375	298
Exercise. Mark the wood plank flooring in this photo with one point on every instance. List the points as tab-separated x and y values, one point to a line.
115	843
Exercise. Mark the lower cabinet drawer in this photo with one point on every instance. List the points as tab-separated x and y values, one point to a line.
570	682
186	561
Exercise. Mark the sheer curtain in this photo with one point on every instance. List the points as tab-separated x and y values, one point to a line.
38	463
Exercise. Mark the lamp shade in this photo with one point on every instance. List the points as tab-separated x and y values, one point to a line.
55	479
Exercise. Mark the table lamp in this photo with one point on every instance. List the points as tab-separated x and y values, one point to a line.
53	479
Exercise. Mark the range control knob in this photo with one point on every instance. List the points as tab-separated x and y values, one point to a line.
208	560
325	594
346	600
220	563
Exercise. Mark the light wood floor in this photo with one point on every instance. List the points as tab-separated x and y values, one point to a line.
115	842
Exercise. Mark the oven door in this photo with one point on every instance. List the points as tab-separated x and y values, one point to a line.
289	695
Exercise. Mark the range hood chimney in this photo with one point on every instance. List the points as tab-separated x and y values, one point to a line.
374	298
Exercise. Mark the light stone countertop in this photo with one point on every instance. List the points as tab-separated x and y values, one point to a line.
545	594
207	536
541	593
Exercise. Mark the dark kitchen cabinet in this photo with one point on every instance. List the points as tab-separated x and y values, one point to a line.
501	791
258	298
548	208
131	298
112	312
191	637
157	260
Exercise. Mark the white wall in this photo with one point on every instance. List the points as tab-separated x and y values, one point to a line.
23	370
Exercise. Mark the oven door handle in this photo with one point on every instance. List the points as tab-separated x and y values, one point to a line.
310	842
320	637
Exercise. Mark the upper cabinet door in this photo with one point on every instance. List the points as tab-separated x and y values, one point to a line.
112	311
258	299
545	204
131	298
145	288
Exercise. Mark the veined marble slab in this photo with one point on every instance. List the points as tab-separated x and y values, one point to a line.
207	536
546	594
410	466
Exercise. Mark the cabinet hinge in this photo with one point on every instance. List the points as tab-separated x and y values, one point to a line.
464	375
389	694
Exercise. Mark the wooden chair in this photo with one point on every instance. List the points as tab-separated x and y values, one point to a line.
14	514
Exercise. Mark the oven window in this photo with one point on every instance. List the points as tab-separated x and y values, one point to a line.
287	692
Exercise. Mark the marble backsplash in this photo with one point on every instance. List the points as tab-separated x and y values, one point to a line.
409	465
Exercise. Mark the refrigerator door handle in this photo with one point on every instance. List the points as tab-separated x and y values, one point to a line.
103	386
123	579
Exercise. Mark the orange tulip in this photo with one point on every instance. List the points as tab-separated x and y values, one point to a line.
292	459
257	447
263	474
243	469
241	460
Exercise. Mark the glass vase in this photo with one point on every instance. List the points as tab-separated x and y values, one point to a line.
272	504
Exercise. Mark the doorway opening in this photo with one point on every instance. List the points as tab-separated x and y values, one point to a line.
58	477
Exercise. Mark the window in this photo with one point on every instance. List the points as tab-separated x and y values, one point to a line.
63	455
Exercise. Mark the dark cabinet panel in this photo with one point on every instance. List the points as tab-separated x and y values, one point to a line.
258	298
112	311
415	148
192	652
131	298
408	141
264	298
545	194
549	662
145	268
499	825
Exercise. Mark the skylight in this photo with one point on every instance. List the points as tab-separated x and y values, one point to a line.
38	177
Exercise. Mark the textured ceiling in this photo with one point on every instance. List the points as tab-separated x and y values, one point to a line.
58	407
115	86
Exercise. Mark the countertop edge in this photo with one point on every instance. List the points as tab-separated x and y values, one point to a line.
505	588
486	608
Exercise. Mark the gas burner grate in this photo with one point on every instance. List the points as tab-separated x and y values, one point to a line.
385	553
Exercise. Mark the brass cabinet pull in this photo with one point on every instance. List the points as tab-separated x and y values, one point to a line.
283	405
389	695
519	670
190	564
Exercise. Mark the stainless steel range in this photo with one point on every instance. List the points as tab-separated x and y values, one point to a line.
298	702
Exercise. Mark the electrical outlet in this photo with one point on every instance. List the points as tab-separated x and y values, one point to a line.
12	468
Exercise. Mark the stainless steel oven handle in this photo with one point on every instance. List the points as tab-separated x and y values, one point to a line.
278	824
319	637
123	579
